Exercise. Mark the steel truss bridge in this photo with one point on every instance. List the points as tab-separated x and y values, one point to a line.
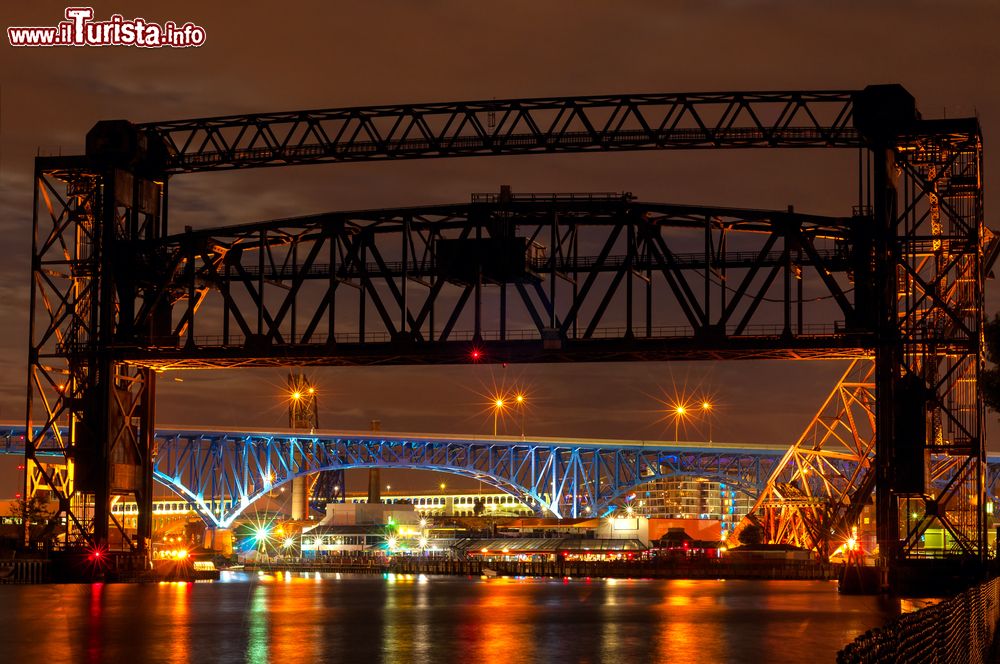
221	473
118	294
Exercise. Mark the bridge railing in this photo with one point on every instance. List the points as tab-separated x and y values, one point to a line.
958	629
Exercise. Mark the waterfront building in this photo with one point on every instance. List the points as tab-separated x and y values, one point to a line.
693	498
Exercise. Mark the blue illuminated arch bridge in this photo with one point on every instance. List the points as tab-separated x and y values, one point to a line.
222	472
557	477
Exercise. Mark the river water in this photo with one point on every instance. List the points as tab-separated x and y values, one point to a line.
289	618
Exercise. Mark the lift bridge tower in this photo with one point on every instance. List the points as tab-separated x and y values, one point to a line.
119	295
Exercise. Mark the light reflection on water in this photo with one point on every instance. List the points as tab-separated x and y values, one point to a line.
291	618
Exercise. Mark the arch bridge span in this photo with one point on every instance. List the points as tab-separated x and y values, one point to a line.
222	473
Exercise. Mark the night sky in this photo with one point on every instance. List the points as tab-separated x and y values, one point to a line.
263	56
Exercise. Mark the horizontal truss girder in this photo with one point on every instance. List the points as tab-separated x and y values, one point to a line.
515	126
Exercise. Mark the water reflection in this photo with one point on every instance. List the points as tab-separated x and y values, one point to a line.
178	641
498	627
94	624
257	626
309	618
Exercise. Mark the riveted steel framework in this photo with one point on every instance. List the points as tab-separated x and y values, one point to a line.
623	280
114	295
814	499
511	126
219	472
818	489
223	473
932	251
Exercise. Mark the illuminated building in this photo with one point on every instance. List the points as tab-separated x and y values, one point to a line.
457	503
693	498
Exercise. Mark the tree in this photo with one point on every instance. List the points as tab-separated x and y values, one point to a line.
989	379
35	512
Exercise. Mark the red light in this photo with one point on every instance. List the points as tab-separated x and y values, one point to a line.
476	354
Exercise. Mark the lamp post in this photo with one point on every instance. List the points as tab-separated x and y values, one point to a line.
519	399
706	409
679	411
498	405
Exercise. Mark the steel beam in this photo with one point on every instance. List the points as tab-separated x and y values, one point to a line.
239	294
799	119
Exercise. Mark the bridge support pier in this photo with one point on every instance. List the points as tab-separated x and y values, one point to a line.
299	499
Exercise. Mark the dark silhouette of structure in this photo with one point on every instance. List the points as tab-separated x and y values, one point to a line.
119	295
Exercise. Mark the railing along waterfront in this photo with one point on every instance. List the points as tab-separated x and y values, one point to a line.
24	571
960	629
652	569
643	568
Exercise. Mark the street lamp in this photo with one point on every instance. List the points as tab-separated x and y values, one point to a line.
520	400
302	403
498	406
680	410
706	409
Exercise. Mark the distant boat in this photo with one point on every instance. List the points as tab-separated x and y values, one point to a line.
490	573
